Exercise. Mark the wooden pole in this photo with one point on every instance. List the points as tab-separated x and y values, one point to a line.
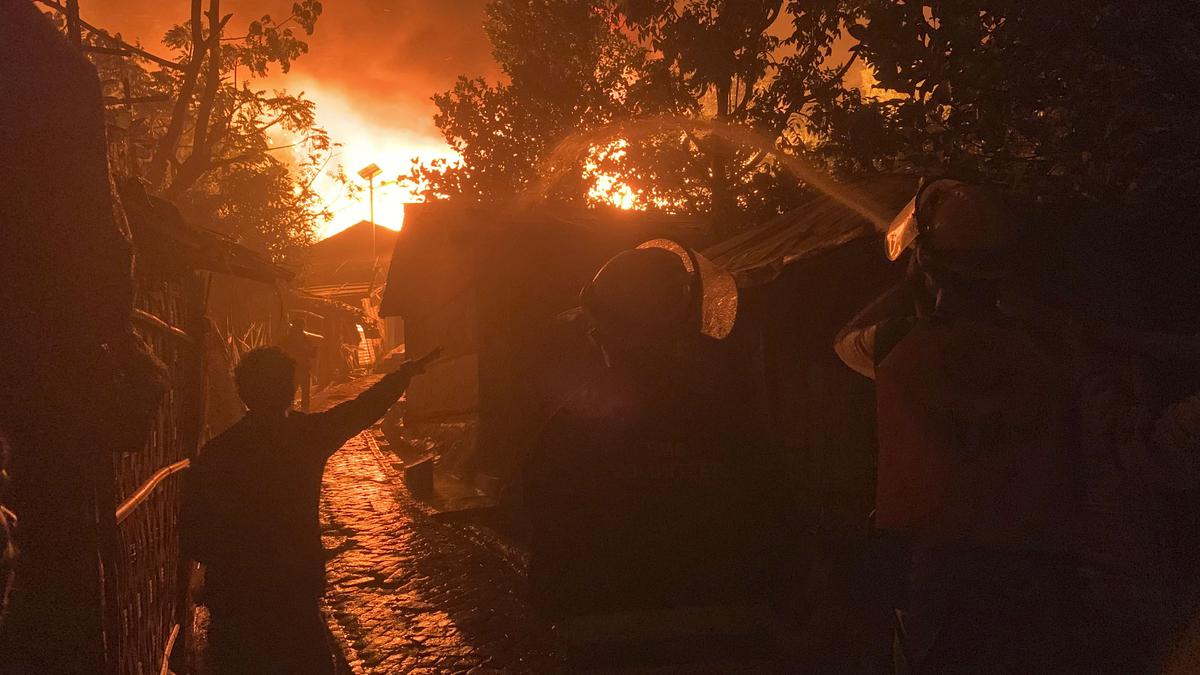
74	30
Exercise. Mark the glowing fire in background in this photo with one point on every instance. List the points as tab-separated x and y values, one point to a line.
607	188
364	141
349	100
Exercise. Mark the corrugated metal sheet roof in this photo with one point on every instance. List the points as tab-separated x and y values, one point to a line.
162	236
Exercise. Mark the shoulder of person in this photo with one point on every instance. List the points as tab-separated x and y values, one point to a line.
225	438
300	418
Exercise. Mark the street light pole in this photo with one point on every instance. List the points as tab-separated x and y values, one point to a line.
371	189
369	172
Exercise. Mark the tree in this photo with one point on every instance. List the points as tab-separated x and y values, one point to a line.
200	132
1091	100
565	62
587	76
744	71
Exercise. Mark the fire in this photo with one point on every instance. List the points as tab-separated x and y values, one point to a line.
608	188
363	141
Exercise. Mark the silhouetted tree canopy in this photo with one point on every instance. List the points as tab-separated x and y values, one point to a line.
202	134
1095	98
1092	99
572	67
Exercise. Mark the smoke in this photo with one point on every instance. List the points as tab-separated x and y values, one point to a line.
388	57
382	58
372	69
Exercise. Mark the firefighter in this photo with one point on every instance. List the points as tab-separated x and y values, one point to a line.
647	496
975	462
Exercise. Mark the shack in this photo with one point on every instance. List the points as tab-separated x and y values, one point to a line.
350	268
802	276
483	285
350	264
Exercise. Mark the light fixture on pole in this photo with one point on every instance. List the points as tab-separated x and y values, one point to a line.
368	173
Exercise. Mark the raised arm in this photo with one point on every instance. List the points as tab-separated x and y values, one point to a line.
344	420
860	343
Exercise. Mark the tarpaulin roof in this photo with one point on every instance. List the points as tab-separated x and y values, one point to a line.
443	244
759	254
299	299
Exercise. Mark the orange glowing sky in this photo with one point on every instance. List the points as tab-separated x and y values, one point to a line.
371	69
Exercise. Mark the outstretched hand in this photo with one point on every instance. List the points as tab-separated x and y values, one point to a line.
417	366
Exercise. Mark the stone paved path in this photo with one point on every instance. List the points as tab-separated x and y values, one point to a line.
410	594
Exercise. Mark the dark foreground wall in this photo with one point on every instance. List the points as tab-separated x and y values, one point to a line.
93	453
65	292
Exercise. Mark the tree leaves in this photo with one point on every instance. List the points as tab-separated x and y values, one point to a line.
250	174
1065	100
579	65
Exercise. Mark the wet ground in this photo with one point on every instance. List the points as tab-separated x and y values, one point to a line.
413	593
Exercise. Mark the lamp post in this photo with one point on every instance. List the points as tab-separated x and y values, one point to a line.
369	172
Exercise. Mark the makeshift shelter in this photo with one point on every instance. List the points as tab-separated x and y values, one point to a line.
349	268
348	265
338	329
177	266
484	285
801	277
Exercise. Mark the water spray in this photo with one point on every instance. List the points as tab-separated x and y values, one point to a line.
569	152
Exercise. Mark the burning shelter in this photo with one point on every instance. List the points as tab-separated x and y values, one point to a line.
485	285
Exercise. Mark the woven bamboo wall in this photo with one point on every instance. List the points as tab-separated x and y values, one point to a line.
150	590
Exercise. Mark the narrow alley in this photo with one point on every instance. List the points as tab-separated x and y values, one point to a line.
410	594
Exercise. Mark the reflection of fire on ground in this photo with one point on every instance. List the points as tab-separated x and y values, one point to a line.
408	590
405	451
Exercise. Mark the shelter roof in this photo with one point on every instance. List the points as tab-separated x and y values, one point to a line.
758	255
163	237
354	243
345	264
444	244
324	306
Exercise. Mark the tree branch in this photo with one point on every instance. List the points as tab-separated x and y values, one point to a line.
200	159
841	73
747	96
772	14
226	161
167	145
212	80
755	159
165	63
272	123
695	140
129	100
